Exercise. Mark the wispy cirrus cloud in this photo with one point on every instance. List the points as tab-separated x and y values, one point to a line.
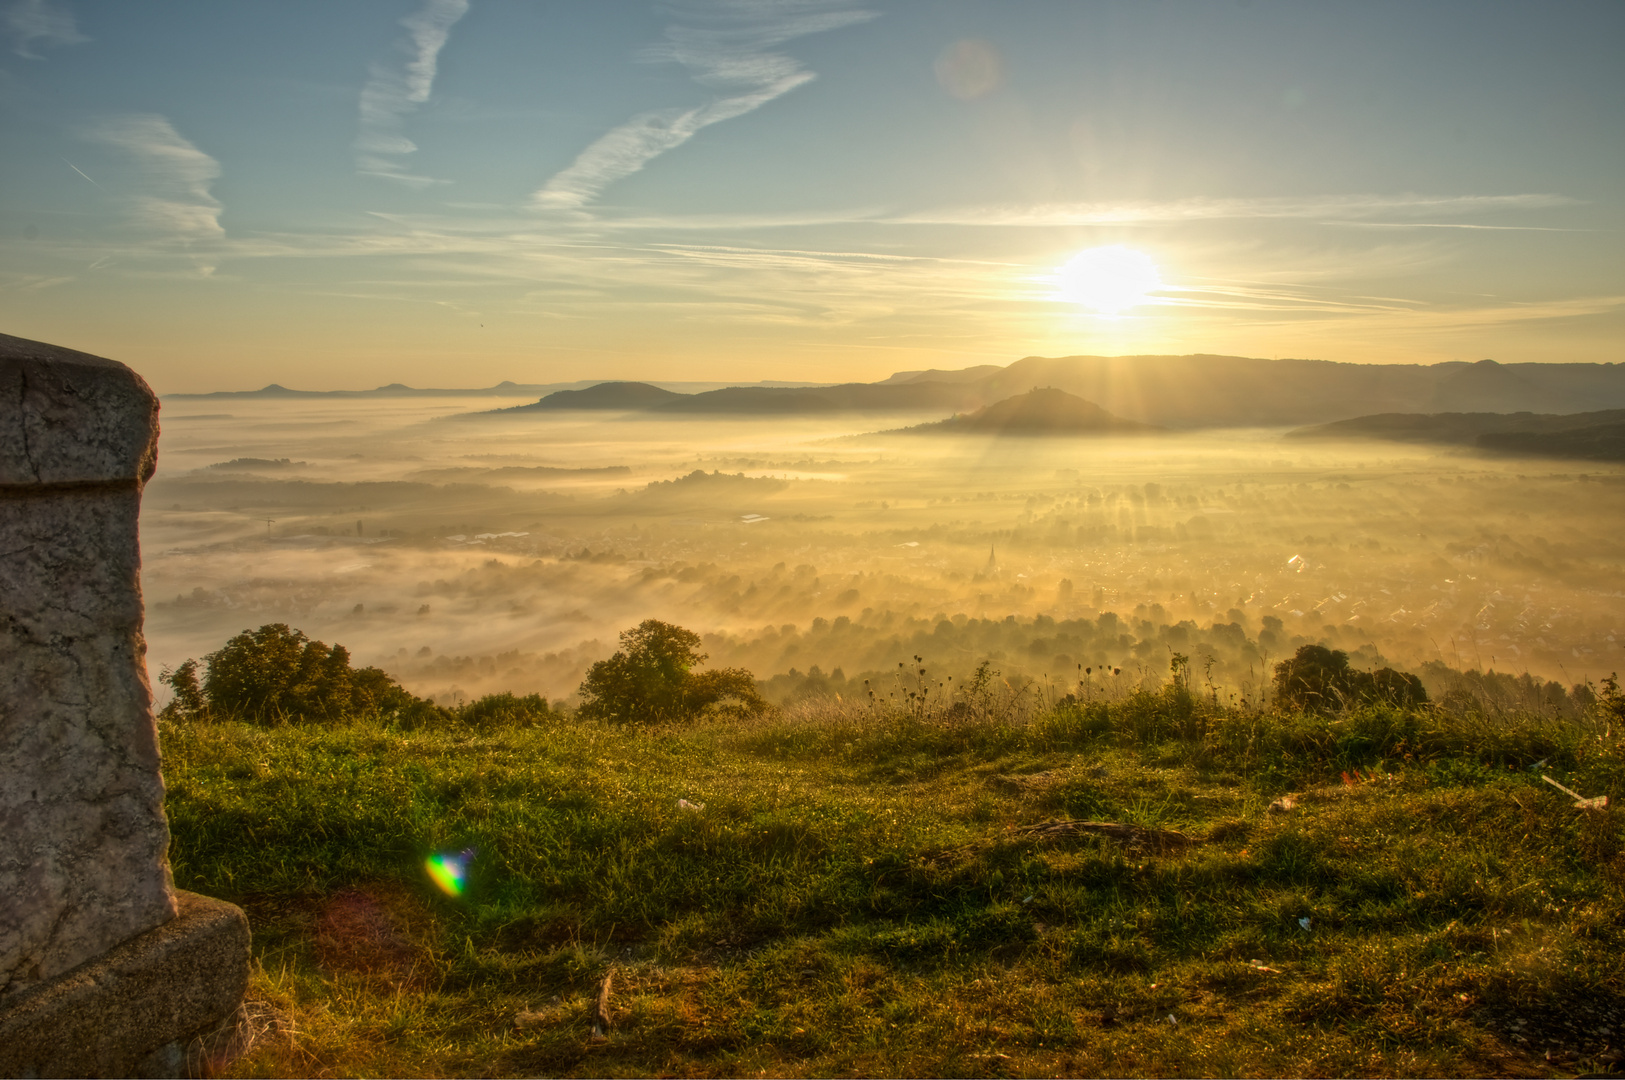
1344	210
34	23
726	47
391	95
1172	212
175	201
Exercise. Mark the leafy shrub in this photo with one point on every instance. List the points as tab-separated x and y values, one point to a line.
497	711
649	679
1318	679
188	702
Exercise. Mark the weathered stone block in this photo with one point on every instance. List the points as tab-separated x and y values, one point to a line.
83	838
132	1010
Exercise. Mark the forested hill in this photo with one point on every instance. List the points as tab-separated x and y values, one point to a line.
1038	412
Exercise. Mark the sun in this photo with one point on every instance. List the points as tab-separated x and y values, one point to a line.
1109	280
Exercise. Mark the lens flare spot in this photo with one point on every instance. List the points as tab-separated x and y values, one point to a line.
970	69
1109	280
450	872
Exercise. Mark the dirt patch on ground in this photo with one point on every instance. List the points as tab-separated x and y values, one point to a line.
368	930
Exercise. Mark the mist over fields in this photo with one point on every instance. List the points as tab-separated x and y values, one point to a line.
467	554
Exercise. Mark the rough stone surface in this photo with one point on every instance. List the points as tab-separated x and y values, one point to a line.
132	1010
83	838
71	418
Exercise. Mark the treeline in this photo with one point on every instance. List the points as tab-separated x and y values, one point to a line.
278	675
1470	691
1239	653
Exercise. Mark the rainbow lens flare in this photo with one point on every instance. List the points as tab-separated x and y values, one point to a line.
450	872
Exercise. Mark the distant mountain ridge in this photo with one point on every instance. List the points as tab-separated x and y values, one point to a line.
276	390
970	374
1192	391
759	400
502	389
1232	391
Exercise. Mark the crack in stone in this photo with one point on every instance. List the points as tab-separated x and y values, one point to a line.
30	973
22	417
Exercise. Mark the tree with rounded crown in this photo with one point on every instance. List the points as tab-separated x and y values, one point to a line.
277	674
650	678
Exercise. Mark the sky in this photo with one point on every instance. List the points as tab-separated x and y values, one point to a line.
449	193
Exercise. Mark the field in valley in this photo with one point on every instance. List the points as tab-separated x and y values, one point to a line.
467	555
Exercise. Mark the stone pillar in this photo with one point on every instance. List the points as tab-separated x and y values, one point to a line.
83	839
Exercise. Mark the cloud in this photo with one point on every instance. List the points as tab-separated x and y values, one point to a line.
1324	207
727	51
176	202
390	96
36	22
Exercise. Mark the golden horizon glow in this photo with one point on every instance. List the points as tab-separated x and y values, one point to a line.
1109	280
746	191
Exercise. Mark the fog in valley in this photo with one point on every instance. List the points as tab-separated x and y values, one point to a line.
467	554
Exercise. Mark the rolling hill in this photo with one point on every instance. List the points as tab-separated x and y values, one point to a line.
608	395
1037	412
1594	436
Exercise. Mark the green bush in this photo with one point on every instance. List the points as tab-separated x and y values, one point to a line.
494	712
1319	680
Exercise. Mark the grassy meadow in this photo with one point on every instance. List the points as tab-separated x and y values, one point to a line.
845	890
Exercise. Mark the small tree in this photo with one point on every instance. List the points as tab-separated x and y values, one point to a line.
650	679
1316	679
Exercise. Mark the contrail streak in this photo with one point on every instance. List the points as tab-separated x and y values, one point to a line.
78	170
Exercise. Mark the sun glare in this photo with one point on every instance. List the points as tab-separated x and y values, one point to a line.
1109	280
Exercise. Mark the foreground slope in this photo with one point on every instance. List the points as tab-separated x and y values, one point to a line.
1103	887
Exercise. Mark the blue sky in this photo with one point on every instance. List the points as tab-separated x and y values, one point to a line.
451	193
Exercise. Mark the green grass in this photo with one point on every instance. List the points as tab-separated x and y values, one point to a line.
856	896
